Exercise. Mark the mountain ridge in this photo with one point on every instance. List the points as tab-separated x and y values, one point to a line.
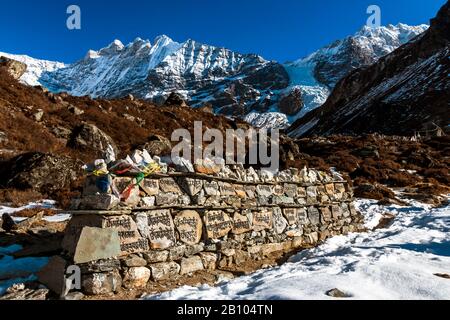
265	93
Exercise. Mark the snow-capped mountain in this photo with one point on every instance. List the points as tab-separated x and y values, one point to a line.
35	67
402	93
265	93
317	74
233	83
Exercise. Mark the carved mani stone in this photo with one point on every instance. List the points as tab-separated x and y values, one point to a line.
189	226
218	224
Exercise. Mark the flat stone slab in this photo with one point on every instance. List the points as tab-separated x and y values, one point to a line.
95	244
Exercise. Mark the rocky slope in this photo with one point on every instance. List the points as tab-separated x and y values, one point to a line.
404	92
45	138
264	93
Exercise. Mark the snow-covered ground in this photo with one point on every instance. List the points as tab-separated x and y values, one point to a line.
394	263
44	204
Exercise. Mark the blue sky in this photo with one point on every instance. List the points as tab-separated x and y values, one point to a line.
280	30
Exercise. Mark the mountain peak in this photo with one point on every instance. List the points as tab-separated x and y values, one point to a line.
163	39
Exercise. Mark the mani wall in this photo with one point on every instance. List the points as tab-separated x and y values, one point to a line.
179	223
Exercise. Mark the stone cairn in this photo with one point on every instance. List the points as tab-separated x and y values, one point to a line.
198	217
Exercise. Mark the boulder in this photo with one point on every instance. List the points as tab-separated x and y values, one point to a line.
53	276
75	110
101	283
136	277
209	260
15	68
209	166
41	172
3	137
164	270
175	99
89	137
191	265
38	115
157	145
134	261
156	256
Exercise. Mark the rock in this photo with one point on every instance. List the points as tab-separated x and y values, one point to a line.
325	215
148	202
15	68
100	266
101	283
262	220
190	186
241	224
165	199
241	257
169	185
191	265
183	165
228	252
226	189
156	256
165	270
53	276
38	115
278	190
8	223
157	145
17	287
89	137
161	229
209	166
336	293
193	249
142	224
264	190
292	215
95	244
3	137
209	260
314	215
336	212
290	190
313	238
223	276
175	99
75	110
282	200
269	248
177	253
45	173
25	294
217	223
99	202
189	226
345	210
150	186
211	188
279	222
136	277
134	261
294	233
74	296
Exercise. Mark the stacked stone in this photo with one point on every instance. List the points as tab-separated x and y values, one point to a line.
180	223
